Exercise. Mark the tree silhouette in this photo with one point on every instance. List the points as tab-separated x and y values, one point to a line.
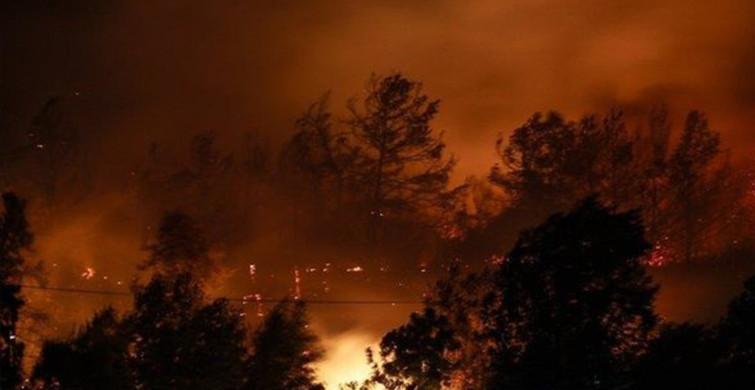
682	356
442	346
96	358
377	178
15	237
548	164
416	355
738	334
180	246
198	182
654	174
314	164
316	154
182	343
552	162
693	182
400	163
572	303
284	350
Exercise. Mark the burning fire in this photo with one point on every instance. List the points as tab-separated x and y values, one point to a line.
88	273
346	360
297	283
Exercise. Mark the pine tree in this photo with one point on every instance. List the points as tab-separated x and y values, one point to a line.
399	165
694	183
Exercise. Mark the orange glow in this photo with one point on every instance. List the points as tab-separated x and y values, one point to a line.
88	273
345	360
658	257
502	61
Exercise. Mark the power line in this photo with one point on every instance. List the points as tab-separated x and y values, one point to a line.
75	290
234	299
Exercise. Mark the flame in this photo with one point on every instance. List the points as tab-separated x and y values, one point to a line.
345	360
659	256
252	271
88	273
297	283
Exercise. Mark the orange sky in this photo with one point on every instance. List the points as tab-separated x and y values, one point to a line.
134	72
148	71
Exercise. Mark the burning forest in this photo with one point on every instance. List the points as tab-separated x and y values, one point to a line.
253	196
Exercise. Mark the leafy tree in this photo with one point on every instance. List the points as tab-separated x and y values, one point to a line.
682	356
444	345
179	342
547	165
416	354
284	350
569	307
688	197
180	246
399	162
15	237
551	162
572	303
96	358
316	154
738	333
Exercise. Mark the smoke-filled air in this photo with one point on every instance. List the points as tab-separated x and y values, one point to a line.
400	195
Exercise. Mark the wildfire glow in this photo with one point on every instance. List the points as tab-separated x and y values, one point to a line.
88	273
297	283
252	271
346	360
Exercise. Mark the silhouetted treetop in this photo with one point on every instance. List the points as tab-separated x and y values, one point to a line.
180	246
400	159
95	358
416	355
284	351
738	330
549	162
695	183
15	238
183	342
572	301
682	356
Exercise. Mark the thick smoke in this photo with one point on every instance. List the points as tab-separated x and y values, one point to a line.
144	71
133	73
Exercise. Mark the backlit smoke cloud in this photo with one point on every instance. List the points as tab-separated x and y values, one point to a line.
146	71
130	73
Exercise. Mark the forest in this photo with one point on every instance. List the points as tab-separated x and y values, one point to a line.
538	274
